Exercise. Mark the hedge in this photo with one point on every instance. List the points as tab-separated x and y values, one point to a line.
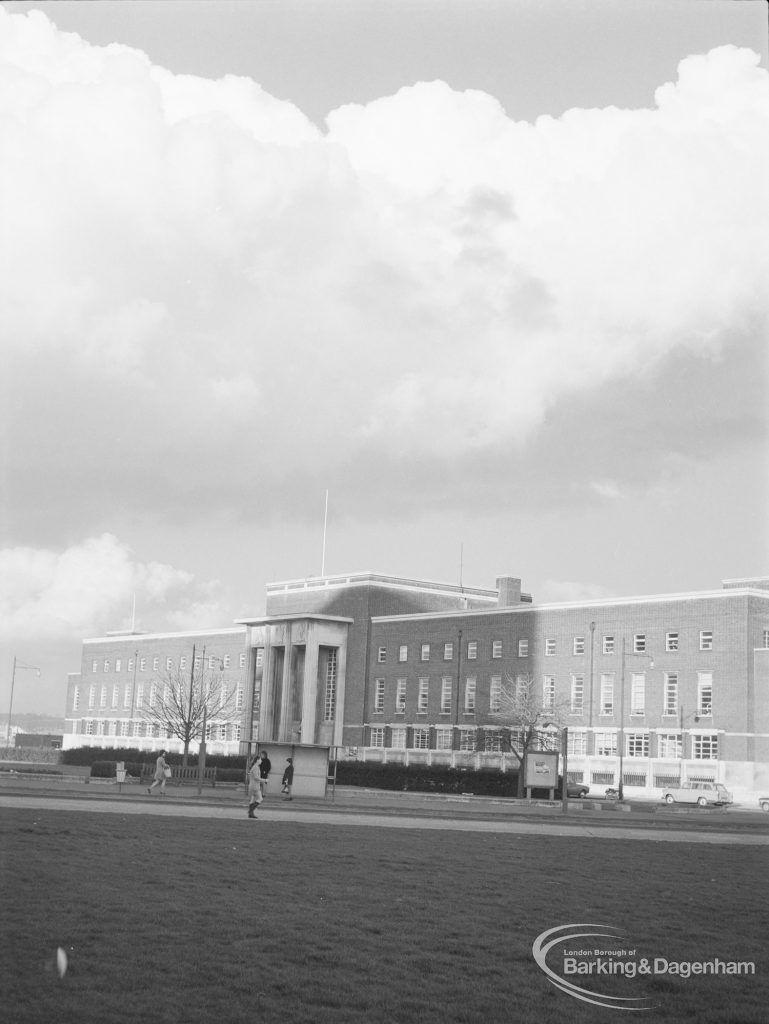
90	755
427	778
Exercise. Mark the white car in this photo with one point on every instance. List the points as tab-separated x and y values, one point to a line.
700	793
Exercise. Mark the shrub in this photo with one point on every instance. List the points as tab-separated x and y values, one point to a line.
427	779
103	769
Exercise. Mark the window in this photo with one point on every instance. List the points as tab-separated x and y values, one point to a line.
155	664
95	666
448	652
608	645
106	664
424	654
398	739
766	638
92	697
130	664
523	647
236	732
472	650
470	695
704	693
576	744
169	664
444	739
259	657
379	696
239	699
671	641
140	695
495	695
705	746
115	696
127	697
467	740
377	738
607	693
403	652
153	694
76	698
381	655
329	697
577	694
669	745
493	741
706	639
579	645
639	643
637	744
606	744
549	647
103	697
446	695
421	739
182	663
242	660
125	727
400	697
226	661
670	697
548	692
423	695
89	727
638	693
496	648
118	665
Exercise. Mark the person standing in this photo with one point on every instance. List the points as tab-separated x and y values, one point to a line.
254	785
265	767
162	771
288	778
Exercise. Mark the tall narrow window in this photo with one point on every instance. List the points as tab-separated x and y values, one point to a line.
706	639
579	645
76	699
671	641
403	652
608	645
446	695
523	647
549	647
329	697
127	697
379	695
548	692
495	695
423	695
639	643
607	693
704	693
140	695
670	698
637	693
470	694
400	697
448	652
472	650
577	694
496	648
576	743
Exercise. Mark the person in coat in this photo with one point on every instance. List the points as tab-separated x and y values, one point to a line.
254	785
161	766
288	778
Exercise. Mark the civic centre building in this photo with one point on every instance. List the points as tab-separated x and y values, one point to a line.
392	669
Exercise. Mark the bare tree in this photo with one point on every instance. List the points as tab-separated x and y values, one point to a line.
181	704
534	719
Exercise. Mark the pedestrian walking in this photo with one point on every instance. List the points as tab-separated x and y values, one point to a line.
288	778
254	786
265	767
162	773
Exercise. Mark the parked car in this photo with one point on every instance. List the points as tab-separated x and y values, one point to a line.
577	789
763	803
700	793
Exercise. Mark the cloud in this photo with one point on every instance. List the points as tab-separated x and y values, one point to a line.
91	586
194	270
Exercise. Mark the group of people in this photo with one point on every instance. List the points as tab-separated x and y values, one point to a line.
258	775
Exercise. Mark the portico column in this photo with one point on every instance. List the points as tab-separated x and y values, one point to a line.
310	685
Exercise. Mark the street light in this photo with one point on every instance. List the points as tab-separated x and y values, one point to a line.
635	654
16	665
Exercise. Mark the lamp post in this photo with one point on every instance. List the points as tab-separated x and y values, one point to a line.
16	665
202	749
635	654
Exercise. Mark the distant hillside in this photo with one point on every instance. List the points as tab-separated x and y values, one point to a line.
33	723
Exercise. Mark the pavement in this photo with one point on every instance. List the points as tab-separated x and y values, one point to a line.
349	806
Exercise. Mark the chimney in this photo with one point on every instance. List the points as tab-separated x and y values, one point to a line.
509	588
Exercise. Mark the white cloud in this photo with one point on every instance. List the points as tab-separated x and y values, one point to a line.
90	587
428	277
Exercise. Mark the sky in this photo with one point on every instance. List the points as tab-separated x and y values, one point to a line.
490	275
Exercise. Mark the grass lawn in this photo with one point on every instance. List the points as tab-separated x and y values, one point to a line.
183	920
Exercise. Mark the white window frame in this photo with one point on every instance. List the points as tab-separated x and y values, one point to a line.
400	696
423	695
576	743
705	746
381	655
523	647
670	694
550	647
448	651
495	695
606	744
607	694
444	739
496	649
705	694
398	738
472	650
424	653
548	692
377	736
403	652
638	693
446	695
420	738
706	639
639	643
577	706
379	696
671	641
636	744
578	645
607	646
669	746
471	685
